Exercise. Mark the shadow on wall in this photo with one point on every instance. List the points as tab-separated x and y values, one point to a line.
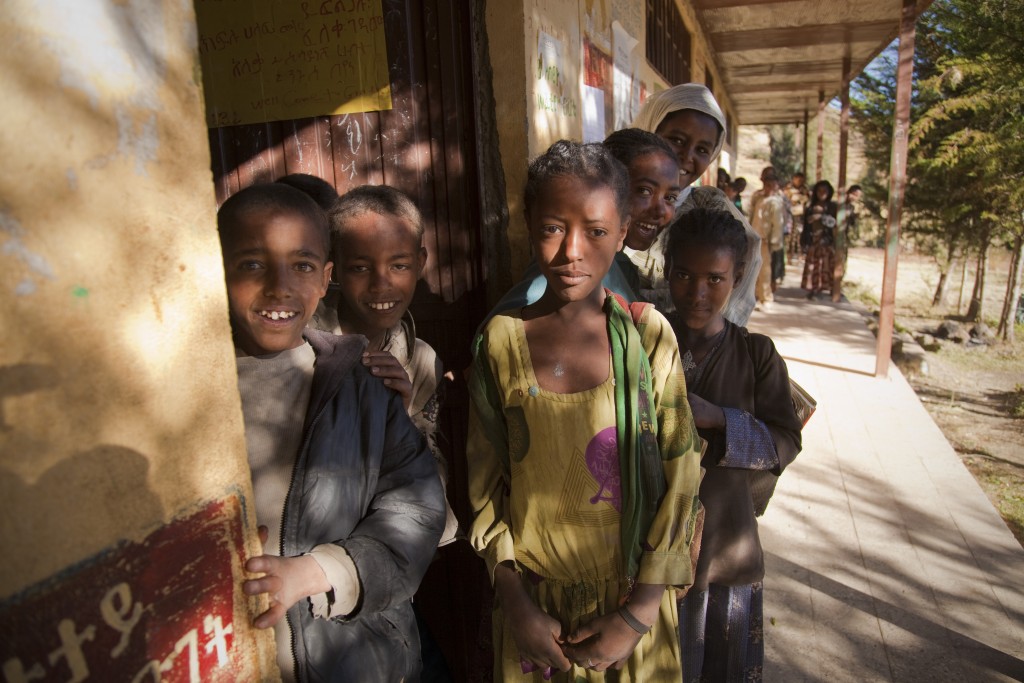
84	495
112	421
160	602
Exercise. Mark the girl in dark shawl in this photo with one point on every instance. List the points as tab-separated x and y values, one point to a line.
738	390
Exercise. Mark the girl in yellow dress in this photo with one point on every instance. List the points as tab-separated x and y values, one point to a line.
584	460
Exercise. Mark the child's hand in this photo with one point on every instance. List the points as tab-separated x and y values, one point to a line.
608	641
537	635
286	580
705	415
382	364
604	643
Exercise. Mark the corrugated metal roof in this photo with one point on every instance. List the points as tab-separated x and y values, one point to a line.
774	56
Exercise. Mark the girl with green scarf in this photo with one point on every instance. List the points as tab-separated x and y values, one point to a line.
583	456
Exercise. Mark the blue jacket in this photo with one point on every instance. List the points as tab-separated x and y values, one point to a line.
365	480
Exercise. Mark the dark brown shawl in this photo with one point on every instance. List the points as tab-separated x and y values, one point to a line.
746	372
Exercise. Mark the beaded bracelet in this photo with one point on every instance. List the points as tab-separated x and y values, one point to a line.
633	622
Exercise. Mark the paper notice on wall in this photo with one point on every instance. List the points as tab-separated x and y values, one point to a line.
627	76
552	94
270	60
593	114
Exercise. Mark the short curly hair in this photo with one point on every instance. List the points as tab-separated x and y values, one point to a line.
271	198
592	164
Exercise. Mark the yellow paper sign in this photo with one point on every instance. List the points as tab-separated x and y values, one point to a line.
270	60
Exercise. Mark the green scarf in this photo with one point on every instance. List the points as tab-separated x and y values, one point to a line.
642	477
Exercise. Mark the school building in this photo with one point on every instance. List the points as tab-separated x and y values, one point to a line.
123	477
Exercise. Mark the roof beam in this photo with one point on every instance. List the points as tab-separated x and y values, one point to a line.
789	88
786	69
725	4
801	36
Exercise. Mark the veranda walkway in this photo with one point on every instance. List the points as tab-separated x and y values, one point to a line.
885	560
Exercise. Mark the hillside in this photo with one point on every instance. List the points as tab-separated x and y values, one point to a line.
754	153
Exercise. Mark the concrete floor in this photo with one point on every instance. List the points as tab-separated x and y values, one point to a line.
885	560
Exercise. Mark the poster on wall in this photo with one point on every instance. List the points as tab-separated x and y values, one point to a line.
593	114
552	95
598	93
271	60
627	77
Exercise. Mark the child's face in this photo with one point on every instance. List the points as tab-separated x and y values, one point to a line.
276	268
576	231
821	192
379	260
700	281
693	136
654	189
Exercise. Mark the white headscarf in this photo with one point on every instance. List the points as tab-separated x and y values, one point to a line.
685	96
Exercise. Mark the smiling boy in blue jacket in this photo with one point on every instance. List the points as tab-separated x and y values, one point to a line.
343	481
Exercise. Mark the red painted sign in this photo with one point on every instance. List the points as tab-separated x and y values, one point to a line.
159	610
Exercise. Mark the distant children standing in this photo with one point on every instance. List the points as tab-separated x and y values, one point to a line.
796	192
819	240
734	192
768	218
343	481
738	390
582	454
377	248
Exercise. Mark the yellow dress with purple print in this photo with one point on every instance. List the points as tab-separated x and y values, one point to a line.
556	509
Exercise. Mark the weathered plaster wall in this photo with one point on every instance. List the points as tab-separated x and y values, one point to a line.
118	405
537	47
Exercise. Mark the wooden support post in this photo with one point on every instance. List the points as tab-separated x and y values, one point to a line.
819	173
897	185
842	244
807	145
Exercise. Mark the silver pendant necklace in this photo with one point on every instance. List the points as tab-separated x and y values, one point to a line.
688	363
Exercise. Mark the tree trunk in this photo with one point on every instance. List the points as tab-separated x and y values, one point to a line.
944	270
974	311
963	280
1008	319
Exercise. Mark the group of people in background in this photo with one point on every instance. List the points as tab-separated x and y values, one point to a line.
625	429
796	223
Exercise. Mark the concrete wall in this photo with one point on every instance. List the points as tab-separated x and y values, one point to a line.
538	47
123	478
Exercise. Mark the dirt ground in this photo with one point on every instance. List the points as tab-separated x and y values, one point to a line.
975	393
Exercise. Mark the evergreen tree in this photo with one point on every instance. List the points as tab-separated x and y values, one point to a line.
972	126
786	156
965	168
